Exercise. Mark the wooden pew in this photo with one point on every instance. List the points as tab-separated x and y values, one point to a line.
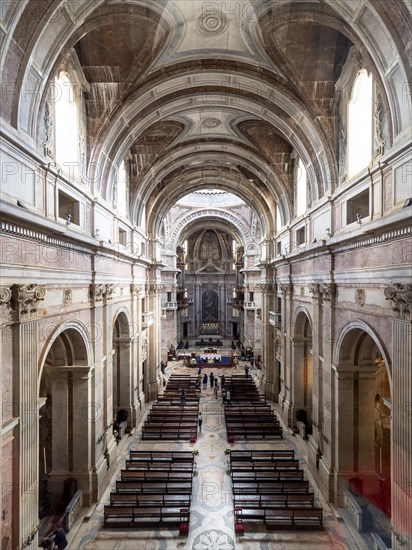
167	456
277	464
159	466
149	499
284	518
116	517
262	455
281	500
167	433
257	432
151	475
268	476
270	487
147	486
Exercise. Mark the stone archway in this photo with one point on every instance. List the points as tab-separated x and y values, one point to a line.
65	421
122	381
363	425
302	371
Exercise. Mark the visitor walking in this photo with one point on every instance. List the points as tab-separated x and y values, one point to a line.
228	397
183	398
212	379
200	421
205	378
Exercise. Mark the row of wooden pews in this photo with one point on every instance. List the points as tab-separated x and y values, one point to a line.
269	486
169	418
154	490
248	416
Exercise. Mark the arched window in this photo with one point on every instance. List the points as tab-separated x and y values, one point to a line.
121	199
360	124
301	190
67	135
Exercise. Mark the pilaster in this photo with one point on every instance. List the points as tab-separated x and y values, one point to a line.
400	297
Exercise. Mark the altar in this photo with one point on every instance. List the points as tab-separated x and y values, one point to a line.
209	328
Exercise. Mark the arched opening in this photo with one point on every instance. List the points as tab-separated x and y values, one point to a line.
302	385
64	423
67	133
122	387
360	124
364	409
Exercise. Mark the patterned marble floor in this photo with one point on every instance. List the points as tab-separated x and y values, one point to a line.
211	523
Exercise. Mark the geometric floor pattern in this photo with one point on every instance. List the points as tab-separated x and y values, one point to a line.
211	519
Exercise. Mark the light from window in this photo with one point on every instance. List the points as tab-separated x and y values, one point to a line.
67	126
301	192
121	190
360	124
279	223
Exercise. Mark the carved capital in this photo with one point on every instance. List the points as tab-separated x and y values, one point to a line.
154	288
110	290
264	287
400	296
314	289
286	288
101	293
328	291
136	289
25	298
323	291
5	295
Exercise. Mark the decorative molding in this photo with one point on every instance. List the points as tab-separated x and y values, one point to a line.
42	238
212	22
378	115
154	288
207	213
5	295
360	297
315	291
211	122
328	291
264	287
25	299
67	296
136	289
110	290
400	296
324	291
286	288
48	123
101	293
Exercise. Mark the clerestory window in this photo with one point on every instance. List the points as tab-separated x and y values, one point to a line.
67	134
360	124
